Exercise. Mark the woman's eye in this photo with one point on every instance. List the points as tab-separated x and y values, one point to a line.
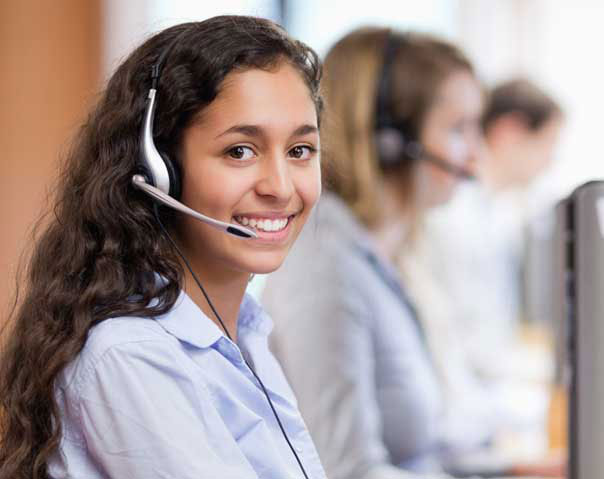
241	153
301	152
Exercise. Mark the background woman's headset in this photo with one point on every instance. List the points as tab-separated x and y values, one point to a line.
393	138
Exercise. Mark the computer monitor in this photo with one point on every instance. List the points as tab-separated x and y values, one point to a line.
580	245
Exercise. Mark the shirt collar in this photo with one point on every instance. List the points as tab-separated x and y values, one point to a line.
189	324
252	317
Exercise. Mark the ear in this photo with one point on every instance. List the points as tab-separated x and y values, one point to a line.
508	129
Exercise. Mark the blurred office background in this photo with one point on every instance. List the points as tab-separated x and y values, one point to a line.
57	55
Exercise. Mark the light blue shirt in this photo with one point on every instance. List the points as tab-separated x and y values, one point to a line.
171	397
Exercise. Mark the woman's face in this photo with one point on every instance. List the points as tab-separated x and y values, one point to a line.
450	131
252	158
519	154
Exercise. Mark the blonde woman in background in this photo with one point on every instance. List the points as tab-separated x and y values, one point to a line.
402	128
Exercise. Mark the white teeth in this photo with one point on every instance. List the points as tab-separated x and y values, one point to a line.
265	224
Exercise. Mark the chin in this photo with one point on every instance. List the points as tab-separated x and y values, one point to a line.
263	263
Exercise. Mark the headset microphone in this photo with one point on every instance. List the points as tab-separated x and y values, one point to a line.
161	180
394	147
416	151
140	182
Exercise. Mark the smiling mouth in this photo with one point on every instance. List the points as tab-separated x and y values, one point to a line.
266	225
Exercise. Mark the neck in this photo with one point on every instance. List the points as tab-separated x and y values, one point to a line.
225	288
394	225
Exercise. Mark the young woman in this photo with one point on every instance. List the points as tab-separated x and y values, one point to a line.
402	129
117	364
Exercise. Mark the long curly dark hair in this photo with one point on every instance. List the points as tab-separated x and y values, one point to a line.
98	256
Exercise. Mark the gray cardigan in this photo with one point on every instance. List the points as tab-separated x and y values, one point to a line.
353	351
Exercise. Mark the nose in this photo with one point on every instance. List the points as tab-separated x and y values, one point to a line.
477	151
275	180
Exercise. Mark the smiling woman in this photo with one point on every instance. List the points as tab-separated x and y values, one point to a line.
117	365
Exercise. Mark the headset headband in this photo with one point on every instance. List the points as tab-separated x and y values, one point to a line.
157	168
384	117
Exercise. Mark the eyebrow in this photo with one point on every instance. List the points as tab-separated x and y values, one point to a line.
255	130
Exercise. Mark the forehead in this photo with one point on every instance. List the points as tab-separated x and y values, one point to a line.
278	96
460	91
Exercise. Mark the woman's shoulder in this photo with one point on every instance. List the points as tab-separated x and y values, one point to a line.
123	331
122	339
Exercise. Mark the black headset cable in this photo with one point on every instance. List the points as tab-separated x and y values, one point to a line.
270	402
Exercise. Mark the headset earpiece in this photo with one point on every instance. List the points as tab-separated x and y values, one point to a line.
390	145
173	174
390	140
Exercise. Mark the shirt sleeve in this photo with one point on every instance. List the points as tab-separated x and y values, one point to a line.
143	417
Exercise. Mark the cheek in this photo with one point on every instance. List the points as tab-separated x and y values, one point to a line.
442	143
544	154
432	179
458	149
439	185
308	186
453	147
529	160
206	191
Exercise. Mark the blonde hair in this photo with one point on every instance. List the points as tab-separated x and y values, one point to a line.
352	70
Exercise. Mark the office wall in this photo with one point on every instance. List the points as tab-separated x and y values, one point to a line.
50	57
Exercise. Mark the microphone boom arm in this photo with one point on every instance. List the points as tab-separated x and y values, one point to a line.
139	182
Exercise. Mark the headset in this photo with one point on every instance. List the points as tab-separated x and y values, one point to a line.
159	178
393	136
